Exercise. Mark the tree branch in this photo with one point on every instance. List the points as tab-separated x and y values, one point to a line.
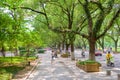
89	18
33	10
59	5
110	24
80	2
99	5
25	8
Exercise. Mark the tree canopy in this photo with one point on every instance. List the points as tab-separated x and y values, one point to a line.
52	22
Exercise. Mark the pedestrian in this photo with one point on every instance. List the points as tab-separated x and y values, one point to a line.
83	53
53	54
109	59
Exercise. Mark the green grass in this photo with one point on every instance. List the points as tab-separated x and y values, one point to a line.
13	59
7	70
5	76
31	58
11	70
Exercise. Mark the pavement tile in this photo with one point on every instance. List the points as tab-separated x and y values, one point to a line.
65	69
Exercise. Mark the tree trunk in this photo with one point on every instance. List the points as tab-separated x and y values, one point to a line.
72	51
92	49
3	51
116	45
59	46
84	44
103	44
96	46
16	52
63	46
67	46
28	53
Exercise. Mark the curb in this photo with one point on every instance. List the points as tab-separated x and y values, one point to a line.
37	61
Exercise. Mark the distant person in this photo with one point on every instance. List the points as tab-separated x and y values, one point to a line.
109	49
53	54
83	53
109	59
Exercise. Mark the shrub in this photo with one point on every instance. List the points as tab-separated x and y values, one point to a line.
65	55
88	62
41	51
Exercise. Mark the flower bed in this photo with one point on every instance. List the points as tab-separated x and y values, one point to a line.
88	65
65	55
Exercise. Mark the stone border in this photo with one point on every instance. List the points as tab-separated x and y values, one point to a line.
37	61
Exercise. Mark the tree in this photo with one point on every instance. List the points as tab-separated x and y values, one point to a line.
114	35
95	18
66	8
5	27
12	28
95	21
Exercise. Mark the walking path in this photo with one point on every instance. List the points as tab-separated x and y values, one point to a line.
64	69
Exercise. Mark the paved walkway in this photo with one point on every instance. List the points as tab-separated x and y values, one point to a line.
65	69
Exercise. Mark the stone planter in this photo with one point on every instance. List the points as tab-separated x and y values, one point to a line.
88	67
91	67
80	66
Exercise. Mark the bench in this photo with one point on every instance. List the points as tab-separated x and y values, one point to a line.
108	72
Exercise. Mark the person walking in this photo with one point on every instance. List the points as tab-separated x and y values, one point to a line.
53	54
83	53
109	59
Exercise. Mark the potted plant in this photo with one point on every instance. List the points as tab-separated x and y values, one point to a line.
89	65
